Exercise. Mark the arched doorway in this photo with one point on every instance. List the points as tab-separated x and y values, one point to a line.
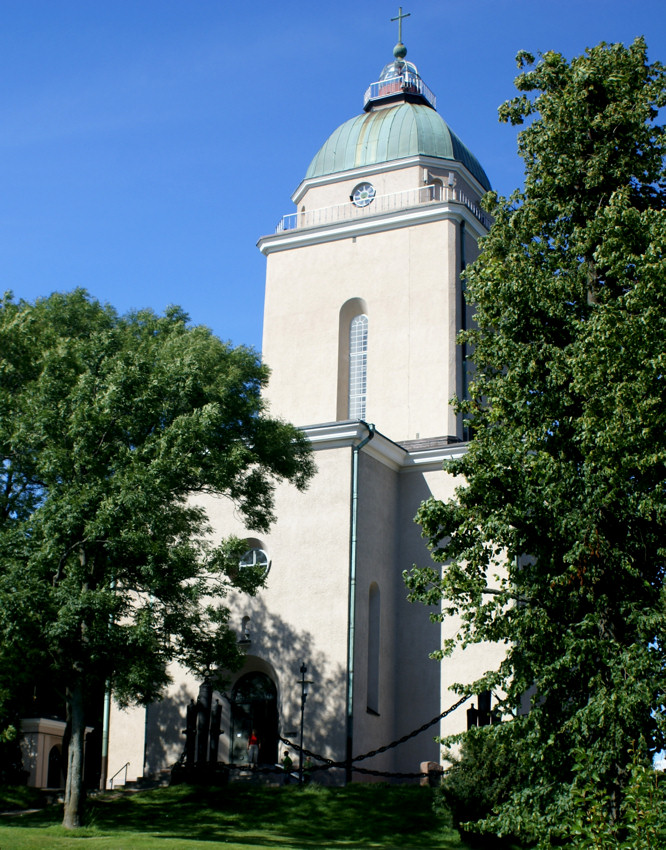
254	706
54	777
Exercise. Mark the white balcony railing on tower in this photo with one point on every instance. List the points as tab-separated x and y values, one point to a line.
402	83
431	194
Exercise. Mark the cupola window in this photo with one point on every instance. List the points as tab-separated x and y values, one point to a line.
363	195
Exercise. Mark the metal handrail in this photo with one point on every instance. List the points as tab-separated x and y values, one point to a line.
405	82
432	193
124	767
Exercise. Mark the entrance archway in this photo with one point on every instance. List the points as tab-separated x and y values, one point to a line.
54	777
254	706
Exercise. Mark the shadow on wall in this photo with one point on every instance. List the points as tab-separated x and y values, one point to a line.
274	645
165	722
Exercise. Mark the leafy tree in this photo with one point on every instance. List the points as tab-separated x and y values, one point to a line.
556	541
481	775
108	426
642	821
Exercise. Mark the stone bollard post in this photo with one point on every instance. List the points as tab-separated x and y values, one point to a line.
432	773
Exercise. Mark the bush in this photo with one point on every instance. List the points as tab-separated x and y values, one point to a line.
13	797
640	823
11	761
481	777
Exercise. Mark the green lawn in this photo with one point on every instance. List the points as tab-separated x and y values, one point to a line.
243	817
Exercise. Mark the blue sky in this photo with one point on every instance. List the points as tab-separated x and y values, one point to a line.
147	144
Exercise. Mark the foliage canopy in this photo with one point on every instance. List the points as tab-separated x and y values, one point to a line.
109	425
555	545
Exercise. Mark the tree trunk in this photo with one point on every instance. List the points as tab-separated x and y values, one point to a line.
74	793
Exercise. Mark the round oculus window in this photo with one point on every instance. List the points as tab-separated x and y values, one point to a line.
257	559
363	194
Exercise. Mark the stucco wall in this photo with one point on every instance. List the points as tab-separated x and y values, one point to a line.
300	615
328	194
127	738
408	279
376	564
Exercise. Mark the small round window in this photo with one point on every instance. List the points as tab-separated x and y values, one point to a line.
256	558
363	194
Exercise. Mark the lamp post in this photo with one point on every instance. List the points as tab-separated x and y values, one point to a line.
305	683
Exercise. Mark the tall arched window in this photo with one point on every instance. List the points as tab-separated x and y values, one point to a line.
358	366
373	648
351	313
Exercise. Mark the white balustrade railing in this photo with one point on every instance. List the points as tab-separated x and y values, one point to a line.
408	83
431	194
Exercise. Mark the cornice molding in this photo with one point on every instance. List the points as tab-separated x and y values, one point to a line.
444	211
339	435
43	725
335	435
430	460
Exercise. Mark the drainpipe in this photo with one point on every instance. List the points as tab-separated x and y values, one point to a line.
352	596
104	767
105	737
464	394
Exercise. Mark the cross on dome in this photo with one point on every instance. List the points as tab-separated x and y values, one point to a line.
399	18
400	51
399	81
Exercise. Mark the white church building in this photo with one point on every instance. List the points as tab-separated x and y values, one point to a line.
364	302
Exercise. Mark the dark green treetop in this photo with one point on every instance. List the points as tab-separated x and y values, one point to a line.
110	426
555	543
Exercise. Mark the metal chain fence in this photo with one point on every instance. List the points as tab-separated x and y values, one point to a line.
327	764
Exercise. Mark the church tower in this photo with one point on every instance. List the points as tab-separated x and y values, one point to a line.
364	303
363	291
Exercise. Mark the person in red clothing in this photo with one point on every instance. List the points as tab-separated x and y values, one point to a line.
253	748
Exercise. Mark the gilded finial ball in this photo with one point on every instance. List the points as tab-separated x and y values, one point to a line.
400	51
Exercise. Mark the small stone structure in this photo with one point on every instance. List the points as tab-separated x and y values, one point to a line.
44	752
432	773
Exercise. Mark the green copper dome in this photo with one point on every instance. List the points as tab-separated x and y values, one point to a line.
394	132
